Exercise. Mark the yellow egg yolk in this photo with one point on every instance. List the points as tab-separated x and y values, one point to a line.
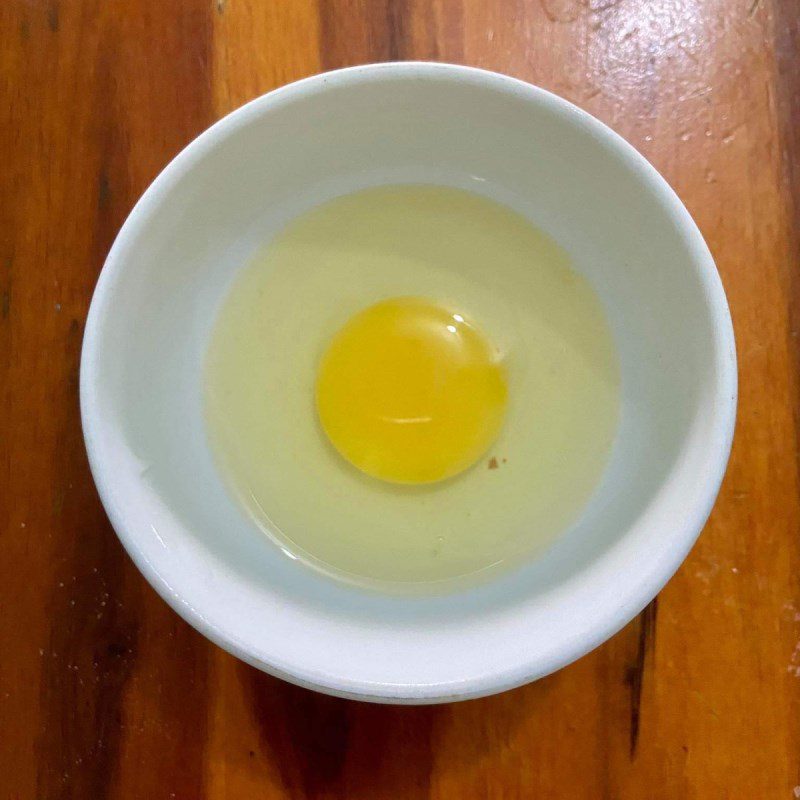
410	392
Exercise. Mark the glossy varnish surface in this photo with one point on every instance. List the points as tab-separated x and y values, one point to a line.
105	693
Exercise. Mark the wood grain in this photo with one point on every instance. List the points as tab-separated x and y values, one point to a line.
105	693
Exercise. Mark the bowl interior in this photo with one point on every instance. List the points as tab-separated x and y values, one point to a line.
224	196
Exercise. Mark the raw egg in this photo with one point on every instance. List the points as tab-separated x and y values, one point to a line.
410	386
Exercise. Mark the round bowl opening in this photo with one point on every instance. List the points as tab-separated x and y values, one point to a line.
223	196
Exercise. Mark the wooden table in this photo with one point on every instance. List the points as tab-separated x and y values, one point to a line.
106	693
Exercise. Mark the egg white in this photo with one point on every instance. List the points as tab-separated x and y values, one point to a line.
476	257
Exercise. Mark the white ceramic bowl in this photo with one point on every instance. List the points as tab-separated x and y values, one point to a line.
224	194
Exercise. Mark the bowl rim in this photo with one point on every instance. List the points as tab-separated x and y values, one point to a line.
608	621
